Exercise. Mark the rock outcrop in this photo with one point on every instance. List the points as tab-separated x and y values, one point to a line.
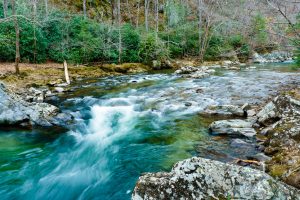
16	111
280	121
199	178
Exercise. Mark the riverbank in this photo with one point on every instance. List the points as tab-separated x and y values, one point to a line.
38	75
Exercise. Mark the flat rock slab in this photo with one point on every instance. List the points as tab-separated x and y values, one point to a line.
199	178
223	110
233	127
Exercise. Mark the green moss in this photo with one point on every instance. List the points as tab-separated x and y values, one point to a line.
278	170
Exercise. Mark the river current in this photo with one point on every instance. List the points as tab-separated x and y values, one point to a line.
125	126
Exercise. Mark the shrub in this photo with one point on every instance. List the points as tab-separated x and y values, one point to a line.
152	49
130	44
260	36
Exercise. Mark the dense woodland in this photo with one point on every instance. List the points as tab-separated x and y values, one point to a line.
111	31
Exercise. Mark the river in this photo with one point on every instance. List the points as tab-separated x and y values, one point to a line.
125	126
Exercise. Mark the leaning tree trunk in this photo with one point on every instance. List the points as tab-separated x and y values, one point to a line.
66	72
16	24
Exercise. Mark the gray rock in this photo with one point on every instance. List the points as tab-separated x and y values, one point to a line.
273	57
156	64
199	178
251	113
258	58
233	127
269	112
246	107
15	111
260	157
59	89
195	72
238	143
186	70
224	110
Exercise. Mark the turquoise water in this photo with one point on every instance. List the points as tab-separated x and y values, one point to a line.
125	126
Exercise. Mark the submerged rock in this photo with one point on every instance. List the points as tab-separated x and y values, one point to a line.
238	143
15	111
199	178
233	127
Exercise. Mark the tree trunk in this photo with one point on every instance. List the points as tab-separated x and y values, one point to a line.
16	24
46	8
156	20
34	29
200	2
146	14
84	8
138	14
120	35
5	8
66	72
129	12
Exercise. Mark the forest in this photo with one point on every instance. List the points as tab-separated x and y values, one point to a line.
150	99
103	31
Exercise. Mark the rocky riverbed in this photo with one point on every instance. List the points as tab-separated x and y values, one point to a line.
277	131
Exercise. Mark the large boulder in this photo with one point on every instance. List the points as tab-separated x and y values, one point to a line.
199	178
15	111
236	127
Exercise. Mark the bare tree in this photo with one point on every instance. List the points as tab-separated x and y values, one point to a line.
34	5
146	14
120	35
156	19
200	3
84	8
138	13
17	30
46	8
5	8
128	10
281	8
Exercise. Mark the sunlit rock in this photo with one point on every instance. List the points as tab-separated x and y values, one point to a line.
199	178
